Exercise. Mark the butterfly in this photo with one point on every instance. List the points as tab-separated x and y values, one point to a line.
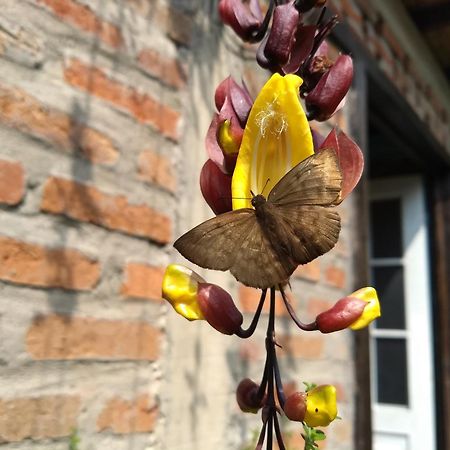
263	246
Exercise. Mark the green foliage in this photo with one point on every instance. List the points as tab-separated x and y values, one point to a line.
252	444
74	440
309	386
311	436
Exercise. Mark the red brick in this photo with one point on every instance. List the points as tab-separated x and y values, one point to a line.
24	112
30	264
142	281
309	346
88	204
251	350
168	70
141	106
335	276
350	10
310	271
44	417
82	17
177	25
156	169
318	305
249	299
57	337
12	182
128	416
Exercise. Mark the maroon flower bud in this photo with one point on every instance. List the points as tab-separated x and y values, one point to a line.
218	308
346	311
282	34
245	18
304	40
306	5
247	396
351	160
215	187
323	100
295	406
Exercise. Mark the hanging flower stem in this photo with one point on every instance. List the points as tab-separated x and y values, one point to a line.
272	383
244	334
303	326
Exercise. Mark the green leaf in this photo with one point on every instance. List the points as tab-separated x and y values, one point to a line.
309	386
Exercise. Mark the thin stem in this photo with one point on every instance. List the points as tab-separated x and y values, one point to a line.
263	385
270	430
278	432
244	334
262	435
278	383
303	326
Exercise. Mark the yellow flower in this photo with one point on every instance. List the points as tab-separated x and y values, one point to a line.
371	311
321	407
276	138
179	288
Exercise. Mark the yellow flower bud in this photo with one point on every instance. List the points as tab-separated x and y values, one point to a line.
321	407
371	311
179	288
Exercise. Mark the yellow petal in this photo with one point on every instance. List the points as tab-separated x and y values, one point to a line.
179	288
321	407
371	311
276	138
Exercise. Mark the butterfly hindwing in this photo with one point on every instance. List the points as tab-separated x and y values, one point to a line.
316	181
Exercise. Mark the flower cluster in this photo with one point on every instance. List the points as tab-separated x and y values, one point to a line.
251	145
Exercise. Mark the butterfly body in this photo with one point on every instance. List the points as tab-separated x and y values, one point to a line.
262	246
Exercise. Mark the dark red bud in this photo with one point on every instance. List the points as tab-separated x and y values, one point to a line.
323	100
346	311
351	160
247	396
295	406
215	187
306	5
218	308
245	18
282	33
304	40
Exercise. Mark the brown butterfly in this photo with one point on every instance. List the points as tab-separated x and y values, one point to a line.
262	247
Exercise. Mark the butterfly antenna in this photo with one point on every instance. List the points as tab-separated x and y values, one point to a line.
268	179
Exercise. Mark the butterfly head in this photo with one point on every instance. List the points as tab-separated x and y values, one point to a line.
258	200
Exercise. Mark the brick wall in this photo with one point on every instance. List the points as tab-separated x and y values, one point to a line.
92	95
104	106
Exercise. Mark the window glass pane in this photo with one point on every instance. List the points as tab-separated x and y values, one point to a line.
385	217
392	380
389	284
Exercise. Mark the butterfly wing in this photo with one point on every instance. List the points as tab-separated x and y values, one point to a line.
302	201
235	241
315	181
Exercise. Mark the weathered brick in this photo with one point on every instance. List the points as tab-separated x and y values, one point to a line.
61	337
30	264
82	17
169	70
310	271
249	299
142	281
335	276
318	305
157	169
300	346
44	417
22	111
139	105
128	416
88	204
12	182
177	25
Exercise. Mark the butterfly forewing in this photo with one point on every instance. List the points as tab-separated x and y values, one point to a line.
214	244
315	181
